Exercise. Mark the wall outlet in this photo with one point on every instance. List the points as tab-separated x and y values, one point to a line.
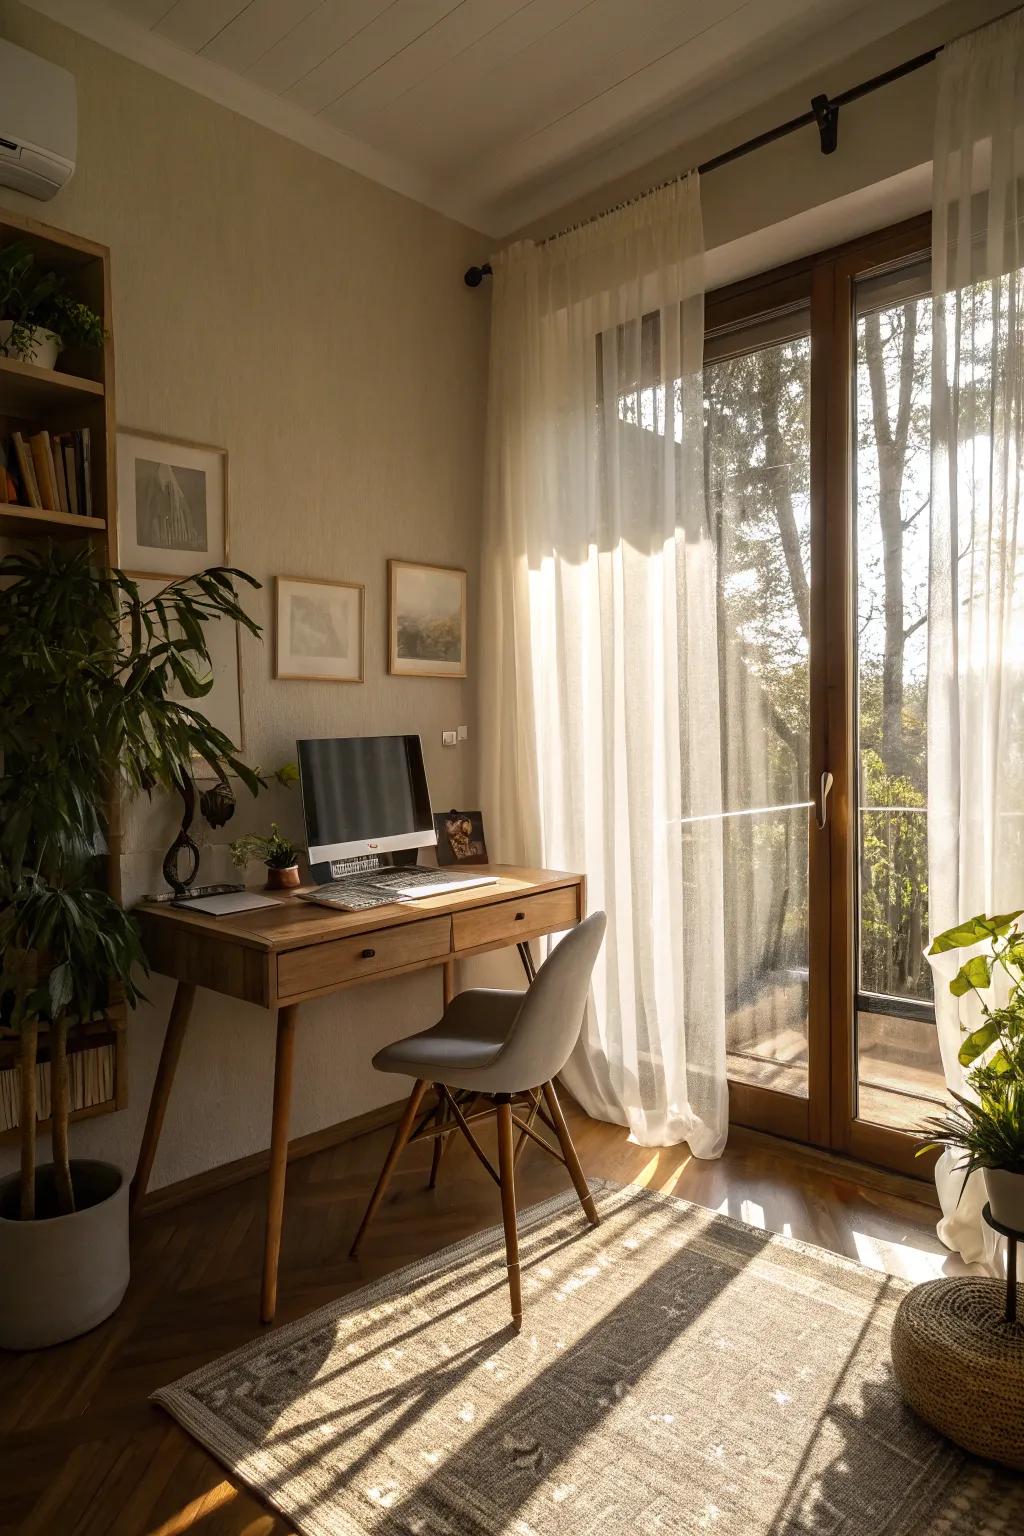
463	732
448	738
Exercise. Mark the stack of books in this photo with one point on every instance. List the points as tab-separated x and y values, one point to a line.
48	470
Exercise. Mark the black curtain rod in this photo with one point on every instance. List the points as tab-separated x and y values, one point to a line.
824	112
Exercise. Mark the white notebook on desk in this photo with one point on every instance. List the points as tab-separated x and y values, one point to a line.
227	905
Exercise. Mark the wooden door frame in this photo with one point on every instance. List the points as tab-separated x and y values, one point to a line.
826	282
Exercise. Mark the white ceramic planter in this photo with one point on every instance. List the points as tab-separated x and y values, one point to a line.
44	346
62	1275
1006	1196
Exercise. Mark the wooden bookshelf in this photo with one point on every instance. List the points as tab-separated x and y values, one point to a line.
79	393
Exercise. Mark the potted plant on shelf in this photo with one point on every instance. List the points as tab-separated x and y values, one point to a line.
279	855
986	1126
39	317
87	672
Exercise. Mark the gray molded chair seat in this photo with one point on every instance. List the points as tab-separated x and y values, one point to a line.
505	1048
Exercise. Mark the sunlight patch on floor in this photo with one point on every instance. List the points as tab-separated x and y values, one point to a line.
898	1258
191	1514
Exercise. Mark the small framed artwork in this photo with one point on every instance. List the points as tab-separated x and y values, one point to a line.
460	837
319	630
171	505
222	706
426	620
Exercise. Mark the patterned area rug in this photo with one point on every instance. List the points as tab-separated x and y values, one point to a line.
677	1372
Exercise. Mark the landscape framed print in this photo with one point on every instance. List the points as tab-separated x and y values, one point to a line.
222	706
426	620
172	516
319	630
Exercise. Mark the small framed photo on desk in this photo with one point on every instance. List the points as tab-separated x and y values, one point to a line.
460	838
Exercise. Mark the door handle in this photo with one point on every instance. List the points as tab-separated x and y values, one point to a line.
824	790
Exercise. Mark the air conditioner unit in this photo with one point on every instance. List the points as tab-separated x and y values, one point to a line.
38	122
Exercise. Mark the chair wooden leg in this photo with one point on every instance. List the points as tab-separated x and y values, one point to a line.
572	1162
506	1160
402	1133
439	1145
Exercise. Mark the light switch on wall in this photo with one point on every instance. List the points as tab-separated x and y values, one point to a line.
448	738
463	732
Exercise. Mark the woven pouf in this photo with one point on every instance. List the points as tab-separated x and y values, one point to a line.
960	1365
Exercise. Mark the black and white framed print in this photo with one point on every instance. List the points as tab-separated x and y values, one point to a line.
172	505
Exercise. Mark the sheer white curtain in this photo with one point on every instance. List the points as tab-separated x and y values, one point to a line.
976	598
600	719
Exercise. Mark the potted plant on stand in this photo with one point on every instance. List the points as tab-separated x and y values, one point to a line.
279	855
39	318
87	672
986	1125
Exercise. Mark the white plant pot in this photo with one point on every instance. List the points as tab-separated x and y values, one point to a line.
62	1275
44	346
1005	1191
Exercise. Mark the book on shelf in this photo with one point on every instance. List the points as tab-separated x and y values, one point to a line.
51	471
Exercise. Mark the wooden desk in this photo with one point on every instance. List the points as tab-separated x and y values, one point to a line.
279	957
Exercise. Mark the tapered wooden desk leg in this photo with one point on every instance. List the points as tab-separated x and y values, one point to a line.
506	1168
177	1024
572	1162
448	981
278	1157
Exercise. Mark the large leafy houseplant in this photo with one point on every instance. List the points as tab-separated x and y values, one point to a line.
986	1125
98	693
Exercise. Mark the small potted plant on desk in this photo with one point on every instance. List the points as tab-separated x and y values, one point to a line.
279	855
986	1125
97	696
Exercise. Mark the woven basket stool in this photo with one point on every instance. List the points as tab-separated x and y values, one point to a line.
960	1365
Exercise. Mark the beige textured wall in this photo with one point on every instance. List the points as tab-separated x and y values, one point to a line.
316	326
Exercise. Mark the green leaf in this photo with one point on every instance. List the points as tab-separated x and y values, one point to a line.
59	988
977	1042
976	974
973	931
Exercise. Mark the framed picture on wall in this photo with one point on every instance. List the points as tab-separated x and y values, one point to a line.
172	516
222	706
426	620
319	630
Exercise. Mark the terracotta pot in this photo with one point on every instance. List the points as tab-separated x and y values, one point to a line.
62	1275
1005	1191
282	879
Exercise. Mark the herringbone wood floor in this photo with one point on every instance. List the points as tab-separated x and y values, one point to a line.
82	1452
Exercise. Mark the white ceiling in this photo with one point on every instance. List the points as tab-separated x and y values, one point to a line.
495	111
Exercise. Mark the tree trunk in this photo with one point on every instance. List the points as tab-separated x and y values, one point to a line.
60	1111
777	454
27	1117
891	448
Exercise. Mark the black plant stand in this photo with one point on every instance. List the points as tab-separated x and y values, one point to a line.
1013	1236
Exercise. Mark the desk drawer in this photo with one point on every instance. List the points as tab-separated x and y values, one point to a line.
320	966
508	921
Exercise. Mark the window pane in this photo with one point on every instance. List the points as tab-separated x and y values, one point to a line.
757	457
899	1069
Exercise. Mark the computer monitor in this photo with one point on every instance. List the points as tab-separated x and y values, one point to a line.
364	795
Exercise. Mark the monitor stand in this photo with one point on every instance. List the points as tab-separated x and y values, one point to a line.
362	864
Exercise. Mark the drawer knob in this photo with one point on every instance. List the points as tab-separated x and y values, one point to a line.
368	954
520	916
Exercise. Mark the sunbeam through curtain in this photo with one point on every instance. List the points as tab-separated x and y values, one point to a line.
976	595
600	741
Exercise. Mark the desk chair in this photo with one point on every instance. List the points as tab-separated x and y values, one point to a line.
506	1048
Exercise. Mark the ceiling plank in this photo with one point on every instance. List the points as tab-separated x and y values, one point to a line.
256	30
401	24
307	44
192	23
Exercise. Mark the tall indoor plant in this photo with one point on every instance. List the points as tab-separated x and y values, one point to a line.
98	692
986	1124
